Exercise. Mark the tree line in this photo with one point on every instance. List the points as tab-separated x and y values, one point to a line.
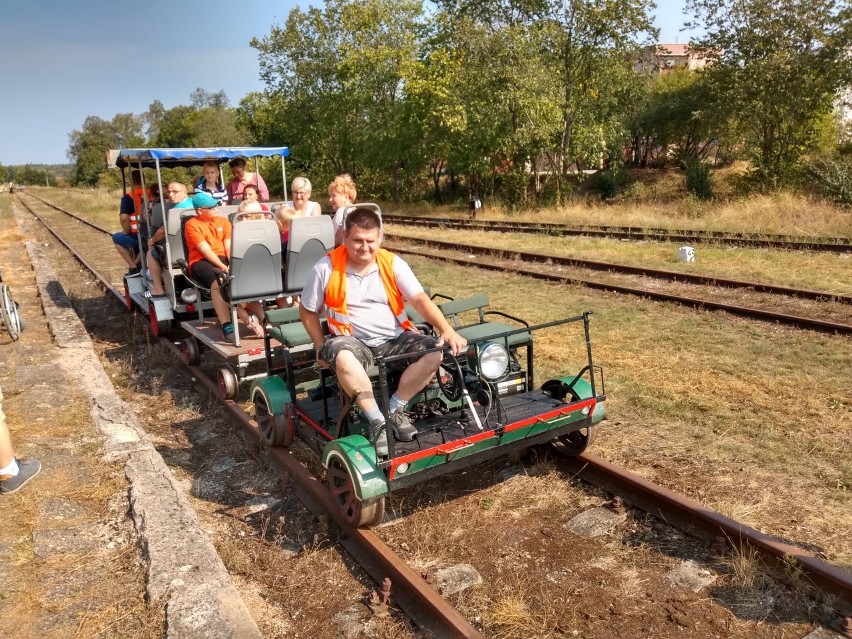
511	98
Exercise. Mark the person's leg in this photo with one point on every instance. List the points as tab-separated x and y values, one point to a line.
124	244
14	473
156	271
223	311
7	453
417	370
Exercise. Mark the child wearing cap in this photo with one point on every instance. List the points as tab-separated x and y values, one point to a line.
208	243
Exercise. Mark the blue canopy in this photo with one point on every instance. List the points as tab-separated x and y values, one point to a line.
191	157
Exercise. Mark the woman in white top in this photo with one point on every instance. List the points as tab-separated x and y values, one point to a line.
300	206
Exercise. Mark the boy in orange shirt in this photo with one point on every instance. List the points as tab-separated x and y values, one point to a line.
208	241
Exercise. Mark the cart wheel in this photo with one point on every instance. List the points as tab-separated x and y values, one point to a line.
354	511
160	328
9	310
576	442
229	385
276	429
191	351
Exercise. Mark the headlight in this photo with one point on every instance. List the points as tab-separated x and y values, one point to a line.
493	361
188	295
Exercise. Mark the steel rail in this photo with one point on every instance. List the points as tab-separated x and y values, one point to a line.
830	244
742	311
98	275
707	280
691	516
74	215
419	600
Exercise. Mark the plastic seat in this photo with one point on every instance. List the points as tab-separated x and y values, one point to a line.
254	272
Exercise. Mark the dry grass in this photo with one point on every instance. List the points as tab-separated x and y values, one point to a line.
703	400
828	272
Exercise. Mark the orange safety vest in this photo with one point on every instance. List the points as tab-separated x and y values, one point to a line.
336	312
138	196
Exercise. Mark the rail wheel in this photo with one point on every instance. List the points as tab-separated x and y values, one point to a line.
229	384
276	429
191	351
160	328
354	511
9	309
576	442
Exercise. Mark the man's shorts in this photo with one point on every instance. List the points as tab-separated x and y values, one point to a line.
406	343
158	252
205	273
127	241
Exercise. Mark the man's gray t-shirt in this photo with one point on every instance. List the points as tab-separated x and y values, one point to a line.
372	320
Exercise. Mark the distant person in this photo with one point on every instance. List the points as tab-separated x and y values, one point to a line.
208	242
252	194
156	260
14	472
127	239
210	182
241	179
341	195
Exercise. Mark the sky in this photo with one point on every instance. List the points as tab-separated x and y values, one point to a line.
64	60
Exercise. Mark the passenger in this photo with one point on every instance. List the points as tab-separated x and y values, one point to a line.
362	288
241	179
341	194
177	198
208	243
252	194
127	239
300	206
210	182
14	472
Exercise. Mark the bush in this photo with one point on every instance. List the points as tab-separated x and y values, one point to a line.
832	178
698	181
609	183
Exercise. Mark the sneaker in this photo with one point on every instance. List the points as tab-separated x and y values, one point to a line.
403	429
27	469
133	271
381	438
228	333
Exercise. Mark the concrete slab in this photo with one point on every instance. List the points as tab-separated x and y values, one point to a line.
823	633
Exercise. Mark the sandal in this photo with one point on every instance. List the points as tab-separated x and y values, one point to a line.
254	326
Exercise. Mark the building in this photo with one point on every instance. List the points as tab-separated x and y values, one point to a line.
665	58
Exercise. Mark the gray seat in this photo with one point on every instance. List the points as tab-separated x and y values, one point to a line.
174	232
254	273
311	238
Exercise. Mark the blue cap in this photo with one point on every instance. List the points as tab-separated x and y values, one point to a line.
204	201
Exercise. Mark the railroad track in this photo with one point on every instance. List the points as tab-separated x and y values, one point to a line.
831	244
510	257
432	612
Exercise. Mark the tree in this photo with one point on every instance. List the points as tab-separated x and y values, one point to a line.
87	148
337	76
586	45
777	65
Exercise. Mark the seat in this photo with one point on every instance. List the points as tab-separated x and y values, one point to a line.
510	334
311	238
254	273
175	220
